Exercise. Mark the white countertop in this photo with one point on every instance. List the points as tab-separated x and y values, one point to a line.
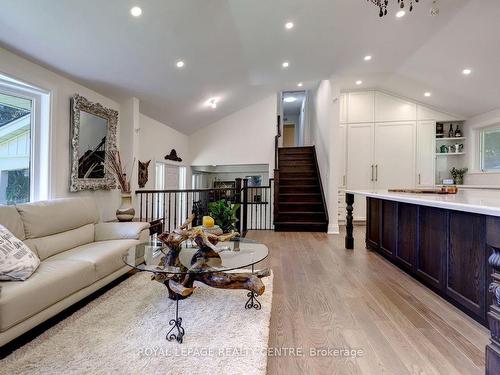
486	202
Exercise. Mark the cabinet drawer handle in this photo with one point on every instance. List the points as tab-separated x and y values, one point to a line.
376	172
372	172
419	179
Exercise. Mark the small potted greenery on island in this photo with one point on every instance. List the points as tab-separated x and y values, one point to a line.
224	214
458	175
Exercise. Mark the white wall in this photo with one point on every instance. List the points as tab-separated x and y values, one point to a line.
155	141
245	137
302	123
61	89
324	120
129	137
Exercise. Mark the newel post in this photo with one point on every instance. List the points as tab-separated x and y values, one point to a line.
237	199
493	348
244	205
349	239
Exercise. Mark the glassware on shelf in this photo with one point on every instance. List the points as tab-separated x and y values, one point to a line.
451	132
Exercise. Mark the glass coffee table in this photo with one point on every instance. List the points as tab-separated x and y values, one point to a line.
216	269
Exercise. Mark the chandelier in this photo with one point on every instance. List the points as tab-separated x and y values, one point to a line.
382	4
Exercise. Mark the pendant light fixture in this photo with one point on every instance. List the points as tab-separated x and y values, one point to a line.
383	4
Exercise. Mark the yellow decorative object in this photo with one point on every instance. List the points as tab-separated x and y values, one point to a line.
208	222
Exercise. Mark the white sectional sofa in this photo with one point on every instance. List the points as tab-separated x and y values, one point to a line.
78	256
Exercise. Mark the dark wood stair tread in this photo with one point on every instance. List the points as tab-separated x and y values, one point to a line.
301	204
298	179
303	186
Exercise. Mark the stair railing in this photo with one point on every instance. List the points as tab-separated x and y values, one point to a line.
321	185
172	207
276	170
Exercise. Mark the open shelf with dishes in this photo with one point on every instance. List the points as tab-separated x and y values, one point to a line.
446	139
450	148
449	153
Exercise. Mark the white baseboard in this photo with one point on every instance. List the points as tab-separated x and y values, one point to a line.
333	229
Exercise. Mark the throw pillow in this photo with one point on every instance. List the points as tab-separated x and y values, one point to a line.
17	261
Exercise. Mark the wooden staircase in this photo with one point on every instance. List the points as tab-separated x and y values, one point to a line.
300	204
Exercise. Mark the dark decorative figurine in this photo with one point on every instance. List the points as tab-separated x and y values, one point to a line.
143	176
173	156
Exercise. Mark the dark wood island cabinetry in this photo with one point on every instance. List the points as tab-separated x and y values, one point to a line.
445	250
450	244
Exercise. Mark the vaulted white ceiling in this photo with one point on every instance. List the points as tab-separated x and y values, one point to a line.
233	49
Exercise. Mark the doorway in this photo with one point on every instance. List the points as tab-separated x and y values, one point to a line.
294	118
289	135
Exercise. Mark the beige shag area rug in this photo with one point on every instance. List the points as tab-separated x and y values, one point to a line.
123	332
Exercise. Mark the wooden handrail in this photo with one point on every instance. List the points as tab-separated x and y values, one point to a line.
151	191
321	185
276	143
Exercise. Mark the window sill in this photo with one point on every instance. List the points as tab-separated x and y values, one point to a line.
479	172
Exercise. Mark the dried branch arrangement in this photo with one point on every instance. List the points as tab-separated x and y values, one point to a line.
113	163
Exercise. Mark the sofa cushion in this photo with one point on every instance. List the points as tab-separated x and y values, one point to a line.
53	281
10	219
45	218
120	231
17	261
56	243
105	255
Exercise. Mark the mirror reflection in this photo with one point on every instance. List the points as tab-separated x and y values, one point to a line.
92	146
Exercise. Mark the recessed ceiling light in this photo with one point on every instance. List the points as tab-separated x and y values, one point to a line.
285	64
212	102
359	82
466	71
427	94
290	99
368	58
180	64
289	25
400	14
136	11
300	84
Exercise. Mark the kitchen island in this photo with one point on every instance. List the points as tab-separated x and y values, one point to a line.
450	243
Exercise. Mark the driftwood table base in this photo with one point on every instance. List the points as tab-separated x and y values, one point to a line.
205	268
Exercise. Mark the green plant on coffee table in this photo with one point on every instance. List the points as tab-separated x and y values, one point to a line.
224	214
458	175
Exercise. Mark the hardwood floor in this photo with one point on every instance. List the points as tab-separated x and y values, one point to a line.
328	297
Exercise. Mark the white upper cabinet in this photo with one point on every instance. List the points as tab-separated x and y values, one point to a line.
361	107
360	166
426	148
394	155
390	108
424	113
343	108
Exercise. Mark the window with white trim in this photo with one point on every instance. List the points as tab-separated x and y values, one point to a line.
490	149
15	149
24	142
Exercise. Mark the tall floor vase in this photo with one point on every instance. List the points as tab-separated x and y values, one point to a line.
126	212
